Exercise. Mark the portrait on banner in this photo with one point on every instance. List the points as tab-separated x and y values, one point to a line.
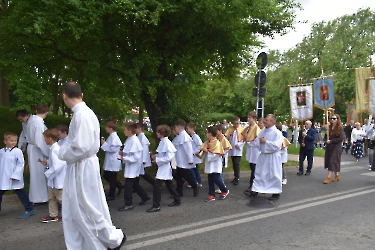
301	98
324	93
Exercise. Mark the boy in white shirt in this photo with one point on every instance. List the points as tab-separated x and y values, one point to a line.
146	159
63	134
164	156
197	144
111	165
11	173
55	174
131	155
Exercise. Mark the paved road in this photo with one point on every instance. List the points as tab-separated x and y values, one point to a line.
309	215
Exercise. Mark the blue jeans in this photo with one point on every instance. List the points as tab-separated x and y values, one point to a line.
213	179
194	172
24	198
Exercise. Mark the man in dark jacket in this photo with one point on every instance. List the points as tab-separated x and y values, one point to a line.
306	141
348	132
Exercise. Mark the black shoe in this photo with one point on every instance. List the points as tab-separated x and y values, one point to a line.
236	182
119	247
111	198
120	189
233	180
174	204
126	208
196	192
253	195
300	173
153	209
144	201
274	197
247	192
308	173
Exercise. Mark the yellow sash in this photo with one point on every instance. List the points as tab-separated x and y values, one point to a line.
230	131
225	143
251	132
285	144
213	146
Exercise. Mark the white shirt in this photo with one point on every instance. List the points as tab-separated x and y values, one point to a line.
57	168
132	154
112	147
165	153
184	155
11	166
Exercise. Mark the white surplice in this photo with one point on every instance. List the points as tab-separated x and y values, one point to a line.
37	149
145	153
87	223
57	168
213	163
196	144
112	147
11	166
268	173
165	154
132	154
183	144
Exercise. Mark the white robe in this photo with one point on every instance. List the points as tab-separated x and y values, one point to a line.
284	155
213	163
196	144
252	152
11	166
57	168
132	154
145	153
22	140
165	154
87	223
234	141
184	154
37	149
112	147
268	173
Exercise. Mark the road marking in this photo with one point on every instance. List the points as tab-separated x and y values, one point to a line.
344	170
369	173
311	202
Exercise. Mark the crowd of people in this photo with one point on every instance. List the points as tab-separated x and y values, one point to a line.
64	168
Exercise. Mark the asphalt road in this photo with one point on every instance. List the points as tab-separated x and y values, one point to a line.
309	215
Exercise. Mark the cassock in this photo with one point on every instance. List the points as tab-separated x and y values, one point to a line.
22	140
165	154
213	163
250	134
86	220
268	173
184	154
11	166
57	168
112	147
145	153
132	153
37	149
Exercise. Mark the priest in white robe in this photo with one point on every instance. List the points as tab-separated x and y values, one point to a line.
268	173
86	220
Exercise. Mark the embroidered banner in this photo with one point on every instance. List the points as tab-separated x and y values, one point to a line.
324	97
371	87
301	102
361	89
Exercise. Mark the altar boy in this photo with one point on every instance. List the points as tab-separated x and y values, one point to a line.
11	173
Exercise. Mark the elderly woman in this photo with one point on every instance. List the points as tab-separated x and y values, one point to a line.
357	139
332	157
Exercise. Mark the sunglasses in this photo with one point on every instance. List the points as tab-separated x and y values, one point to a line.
333	118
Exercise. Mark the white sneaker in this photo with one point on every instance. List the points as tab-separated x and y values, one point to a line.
218	191
284	181
369	168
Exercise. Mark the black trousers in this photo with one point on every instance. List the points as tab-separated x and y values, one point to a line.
130	185
184	173
252	176
236	166
111	178
157	192
148	178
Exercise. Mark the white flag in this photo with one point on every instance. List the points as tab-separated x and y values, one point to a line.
371	87
301	102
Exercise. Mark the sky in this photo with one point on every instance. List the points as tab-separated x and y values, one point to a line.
316	11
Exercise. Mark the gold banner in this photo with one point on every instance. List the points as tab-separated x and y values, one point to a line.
361	93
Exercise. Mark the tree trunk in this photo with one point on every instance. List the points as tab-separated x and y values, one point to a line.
4	92
55	94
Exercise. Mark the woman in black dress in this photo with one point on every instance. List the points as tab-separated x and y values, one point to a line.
332	157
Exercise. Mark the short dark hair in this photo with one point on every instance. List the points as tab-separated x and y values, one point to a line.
219	127
191	125
141	126
51	133
72	90
112	124
180	122
252	114
164	130
212	130
21	113
279	126
62	128
132	126
42	108
236	118
8	135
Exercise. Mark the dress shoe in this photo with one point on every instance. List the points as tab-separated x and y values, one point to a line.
337	178
308	173
144	201
196	192
300	173
126	208
236	182
174	204
153	209
111	198
119	247
120	189
274	197
327	180
247	192
253	195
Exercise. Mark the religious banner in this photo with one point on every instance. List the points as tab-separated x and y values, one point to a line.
371	88
301	102
324	96
352	113
361	90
